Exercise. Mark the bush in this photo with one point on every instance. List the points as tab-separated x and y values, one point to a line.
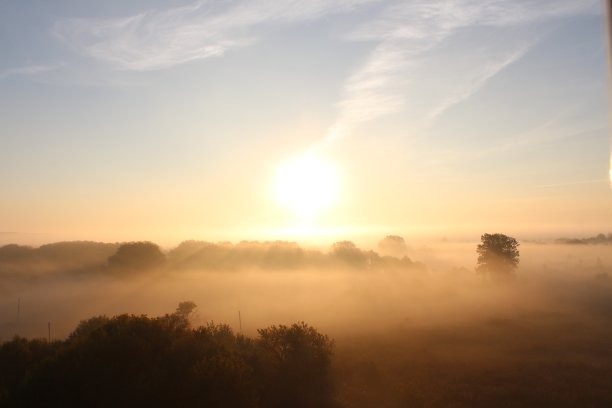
294	366
130	360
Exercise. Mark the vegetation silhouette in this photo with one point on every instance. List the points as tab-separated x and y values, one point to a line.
93	258
269	255
131	360
598	239
295	370
137	256
60	257
498	255
393	245
348	253
400	339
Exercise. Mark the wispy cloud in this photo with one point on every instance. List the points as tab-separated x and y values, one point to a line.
561	125
408	33
160	39
403	71
28	70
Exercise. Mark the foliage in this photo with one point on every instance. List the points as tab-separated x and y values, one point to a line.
137	256
598	239
281	255
184	309
93	258
348	253
498	254
392	245
52	258
295	366
131	360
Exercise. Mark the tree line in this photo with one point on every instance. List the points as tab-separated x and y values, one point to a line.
498	254
597	239
125	258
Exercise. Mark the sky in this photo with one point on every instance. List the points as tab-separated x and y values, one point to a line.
171	120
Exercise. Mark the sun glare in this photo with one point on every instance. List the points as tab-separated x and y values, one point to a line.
306	186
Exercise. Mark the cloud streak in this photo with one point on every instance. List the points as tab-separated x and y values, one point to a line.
407	70
28	70
159	39
409	34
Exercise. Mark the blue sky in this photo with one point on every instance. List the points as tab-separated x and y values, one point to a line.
167	120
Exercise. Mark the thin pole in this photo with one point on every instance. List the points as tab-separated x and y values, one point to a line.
240	321
49	328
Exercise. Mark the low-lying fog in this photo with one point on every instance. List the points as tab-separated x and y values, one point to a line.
558	279
421	330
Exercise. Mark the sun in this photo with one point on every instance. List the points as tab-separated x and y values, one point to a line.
306	186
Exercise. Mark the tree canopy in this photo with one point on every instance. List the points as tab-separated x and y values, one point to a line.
137	256
129	360
498	254
393	245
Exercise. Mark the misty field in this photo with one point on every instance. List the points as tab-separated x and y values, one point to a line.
423	329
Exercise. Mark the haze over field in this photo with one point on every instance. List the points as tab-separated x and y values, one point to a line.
404	329
426	184
341	291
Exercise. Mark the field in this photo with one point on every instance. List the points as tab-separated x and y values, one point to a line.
439	335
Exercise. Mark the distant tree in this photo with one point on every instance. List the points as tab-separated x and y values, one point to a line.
14	252
348	253
498	254
598	239
60	257
392	245
137	256
77	252
283	255
184	309
19	259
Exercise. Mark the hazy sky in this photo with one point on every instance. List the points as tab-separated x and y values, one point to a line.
169	120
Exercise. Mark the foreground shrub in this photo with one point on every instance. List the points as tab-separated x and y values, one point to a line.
133	360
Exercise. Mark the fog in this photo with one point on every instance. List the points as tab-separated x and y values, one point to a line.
339	300
392	322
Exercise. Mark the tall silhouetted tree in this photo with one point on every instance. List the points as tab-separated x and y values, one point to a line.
498	254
